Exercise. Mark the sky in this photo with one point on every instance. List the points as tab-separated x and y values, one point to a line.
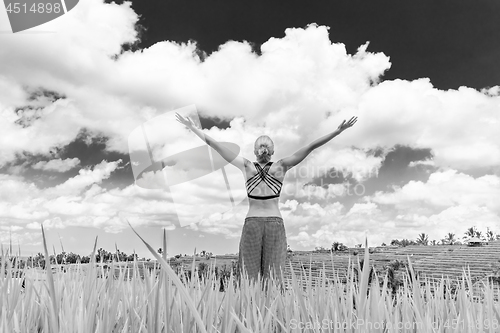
85	95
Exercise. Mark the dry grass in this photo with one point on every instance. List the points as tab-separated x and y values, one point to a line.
79	301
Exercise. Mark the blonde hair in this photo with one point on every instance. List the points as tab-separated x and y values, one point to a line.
264	139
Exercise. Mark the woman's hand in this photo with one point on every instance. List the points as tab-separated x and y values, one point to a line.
186	122
344	125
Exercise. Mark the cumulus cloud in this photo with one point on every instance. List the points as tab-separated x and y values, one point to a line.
16	238
78	201
445	189
73	64
10	228
53	223
324	226
381	225
456	219
449	201
417	163
300	69
300	88
86	177
460	126
58	165
339	163
301	85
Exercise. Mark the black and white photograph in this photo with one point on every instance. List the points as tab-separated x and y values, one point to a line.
249	166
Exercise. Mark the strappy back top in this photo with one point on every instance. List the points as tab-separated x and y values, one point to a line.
263	175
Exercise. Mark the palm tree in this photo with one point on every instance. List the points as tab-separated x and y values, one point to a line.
395	242
449	239
423	239
406	242
490	235
471	232
335	246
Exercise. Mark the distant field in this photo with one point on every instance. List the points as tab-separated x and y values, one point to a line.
432	262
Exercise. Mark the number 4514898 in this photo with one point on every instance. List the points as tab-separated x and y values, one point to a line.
35	8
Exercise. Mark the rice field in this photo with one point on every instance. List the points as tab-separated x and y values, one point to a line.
86	299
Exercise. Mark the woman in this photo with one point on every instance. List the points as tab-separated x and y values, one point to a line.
263	240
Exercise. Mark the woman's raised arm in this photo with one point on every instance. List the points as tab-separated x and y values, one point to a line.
293	160
227	154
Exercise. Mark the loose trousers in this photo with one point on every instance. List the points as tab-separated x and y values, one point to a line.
263	247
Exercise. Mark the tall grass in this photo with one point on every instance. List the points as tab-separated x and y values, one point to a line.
78	300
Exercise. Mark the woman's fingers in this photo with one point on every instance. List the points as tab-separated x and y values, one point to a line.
183	120
352	121
348	124
179	117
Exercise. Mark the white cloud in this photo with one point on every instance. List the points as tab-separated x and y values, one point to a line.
17	238
379	226
417	163
33	226
448	202
10	228
455	219
26	202
73	61
299	89
307	224
445	189
86	177
58	165
231	82
287	92
460	126
52	223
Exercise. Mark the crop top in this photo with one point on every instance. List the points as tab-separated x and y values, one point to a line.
263	175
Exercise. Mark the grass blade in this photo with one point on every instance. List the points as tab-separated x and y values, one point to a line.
176	281
53	314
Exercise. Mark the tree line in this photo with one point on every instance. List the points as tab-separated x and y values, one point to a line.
449	239
423	239
101	255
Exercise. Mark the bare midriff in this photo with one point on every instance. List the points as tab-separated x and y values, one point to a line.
269	207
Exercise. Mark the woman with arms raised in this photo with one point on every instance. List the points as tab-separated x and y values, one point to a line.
263	240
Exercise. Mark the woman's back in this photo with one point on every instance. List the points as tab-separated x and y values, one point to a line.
264	183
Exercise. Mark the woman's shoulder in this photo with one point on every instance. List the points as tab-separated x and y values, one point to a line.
278	169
